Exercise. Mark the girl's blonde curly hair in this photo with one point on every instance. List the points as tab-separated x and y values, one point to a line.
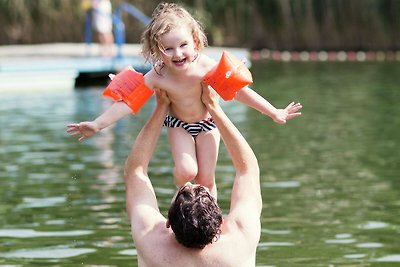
166	17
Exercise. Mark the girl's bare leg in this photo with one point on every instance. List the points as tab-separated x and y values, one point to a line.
183	151
207	146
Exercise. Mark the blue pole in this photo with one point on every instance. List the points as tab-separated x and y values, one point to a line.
119	32
88	30
88	27
119	26
135	12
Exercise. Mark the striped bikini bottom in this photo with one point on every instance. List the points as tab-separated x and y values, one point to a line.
193	128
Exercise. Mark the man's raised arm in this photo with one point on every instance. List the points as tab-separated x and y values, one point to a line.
141	203
246	201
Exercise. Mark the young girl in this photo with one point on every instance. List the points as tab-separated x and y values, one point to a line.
173	42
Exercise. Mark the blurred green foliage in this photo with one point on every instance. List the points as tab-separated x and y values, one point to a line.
274	24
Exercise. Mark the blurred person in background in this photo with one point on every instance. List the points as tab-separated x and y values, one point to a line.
102	24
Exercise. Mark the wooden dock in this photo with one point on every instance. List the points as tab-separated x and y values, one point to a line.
57	66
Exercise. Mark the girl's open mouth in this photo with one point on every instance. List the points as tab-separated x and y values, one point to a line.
179	62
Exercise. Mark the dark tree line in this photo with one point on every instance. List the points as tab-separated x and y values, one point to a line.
274	24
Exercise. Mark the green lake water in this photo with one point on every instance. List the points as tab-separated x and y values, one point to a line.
330	178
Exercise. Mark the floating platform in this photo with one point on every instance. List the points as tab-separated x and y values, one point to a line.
58	66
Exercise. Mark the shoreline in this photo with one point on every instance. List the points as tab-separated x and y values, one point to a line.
324	56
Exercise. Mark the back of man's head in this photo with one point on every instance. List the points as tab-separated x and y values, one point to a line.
195	217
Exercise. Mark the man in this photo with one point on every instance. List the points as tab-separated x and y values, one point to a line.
194	233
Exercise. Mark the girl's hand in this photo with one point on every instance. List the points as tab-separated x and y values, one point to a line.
290	112
83	129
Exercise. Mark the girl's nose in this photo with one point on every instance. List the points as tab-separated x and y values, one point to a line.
178	52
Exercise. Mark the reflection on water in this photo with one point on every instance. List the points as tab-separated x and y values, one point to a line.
30	202
47	253
27	233
329	179
283	184
373	225
389	258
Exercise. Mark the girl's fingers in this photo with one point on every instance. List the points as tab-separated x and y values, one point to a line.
290	105
295	107
74	134
71	130
293	115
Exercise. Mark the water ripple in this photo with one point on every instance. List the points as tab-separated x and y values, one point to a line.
129	252
275	232
28	233
343	235
275	244
369	245
31	202
340	241
389	258
354	256
283	184
373	225
47	253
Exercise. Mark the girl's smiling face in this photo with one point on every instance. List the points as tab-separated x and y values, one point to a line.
177	48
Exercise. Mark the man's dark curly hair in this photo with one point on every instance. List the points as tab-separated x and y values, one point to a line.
195	217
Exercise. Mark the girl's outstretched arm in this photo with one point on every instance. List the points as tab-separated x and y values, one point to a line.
86	129
252	99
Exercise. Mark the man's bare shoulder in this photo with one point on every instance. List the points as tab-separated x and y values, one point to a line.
231	249
242	231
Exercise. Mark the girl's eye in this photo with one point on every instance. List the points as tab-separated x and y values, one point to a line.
183	45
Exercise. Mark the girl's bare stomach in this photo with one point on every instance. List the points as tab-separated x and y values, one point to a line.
190	114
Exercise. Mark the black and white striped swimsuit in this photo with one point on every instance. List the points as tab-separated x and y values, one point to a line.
193	128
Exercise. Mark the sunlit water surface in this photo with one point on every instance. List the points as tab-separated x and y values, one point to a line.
330	179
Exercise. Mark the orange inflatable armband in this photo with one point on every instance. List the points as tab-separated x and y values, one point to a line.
229	76
129	86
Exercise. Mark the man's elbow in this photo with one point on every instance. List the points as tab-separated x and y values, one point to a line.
252	168
132	161
131	169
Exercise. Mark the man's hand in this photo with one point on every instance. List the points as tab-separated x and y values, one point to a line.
83	129
291	111
209	96
246	201
161	97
